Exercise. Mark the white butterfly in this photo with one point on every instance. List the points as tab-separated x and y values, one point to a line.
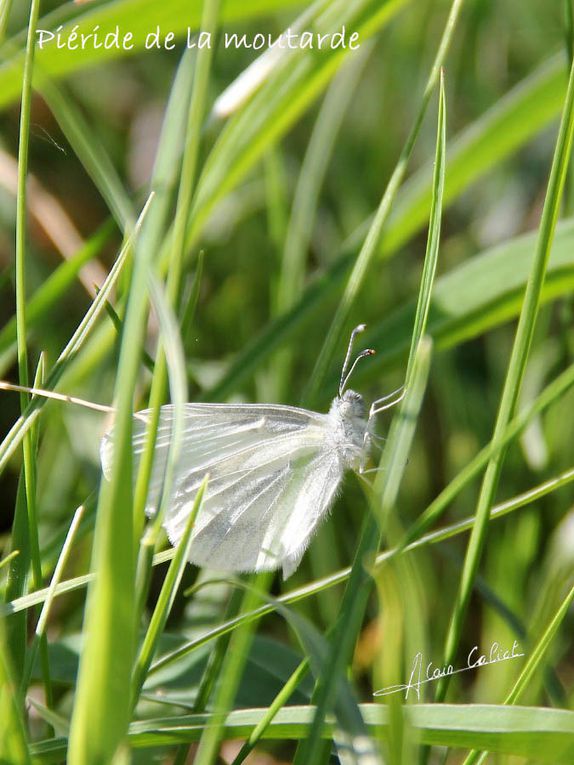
274	472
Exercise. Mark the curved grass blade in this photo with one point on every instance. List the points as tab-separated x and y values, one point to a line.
531	732
166	598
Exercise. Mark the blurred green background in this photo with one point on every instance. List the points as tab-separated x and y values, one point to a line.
507	57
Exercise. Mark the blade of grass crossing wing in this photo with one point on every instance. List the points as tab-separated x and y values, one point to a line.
28	601
514	376
166	598
172	350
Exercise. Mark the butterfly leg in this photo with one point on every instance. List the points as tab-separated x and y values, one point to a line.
386	402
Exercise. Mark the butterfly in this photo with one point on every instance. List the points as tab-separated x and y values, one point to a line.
274	472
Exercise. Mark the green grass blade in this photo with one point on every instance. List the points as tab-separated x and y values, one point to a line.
30	442
40	631
166	598
532	664
515	374
13	737
357	591
369	249
531	732
193	122
549	395
86	325
92	154
433	537
510	123
306	198
295	84
98	726
139	17
50	292
393	460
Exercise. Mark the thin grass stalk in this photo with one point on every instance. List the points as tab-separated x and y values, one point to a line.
278	703
14	747
213	666
369	249
30	440
165	599
314	749
5	7
40	631
549	395
40	640
514	378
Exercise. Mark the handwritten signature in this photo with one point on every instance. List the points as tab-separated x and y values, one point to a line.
475	659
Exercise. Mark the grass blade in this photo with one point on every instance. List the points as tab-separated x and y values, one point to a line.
370	247
514	377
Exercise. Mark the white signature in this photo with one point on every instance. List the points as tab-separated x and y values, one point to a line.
474	660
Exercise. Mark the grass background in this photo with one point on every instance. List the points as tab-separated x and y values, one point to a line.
161	250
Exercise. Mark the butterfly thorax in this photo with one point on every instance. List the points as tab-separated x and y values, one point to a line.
350	428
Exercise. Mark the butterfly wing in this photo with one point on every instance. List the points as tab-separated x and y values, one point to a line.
273	473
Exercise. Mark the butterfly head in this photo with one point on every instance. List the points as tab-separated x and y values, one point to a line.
355	423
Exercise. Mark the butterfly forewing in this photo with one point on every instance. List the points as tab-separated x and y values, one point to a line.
273	473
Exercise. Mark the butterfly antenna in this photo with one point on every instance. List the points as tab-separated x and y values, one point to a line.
345	375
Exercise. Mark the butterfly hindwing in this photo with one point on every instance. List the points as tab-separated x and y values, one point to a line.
265	520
